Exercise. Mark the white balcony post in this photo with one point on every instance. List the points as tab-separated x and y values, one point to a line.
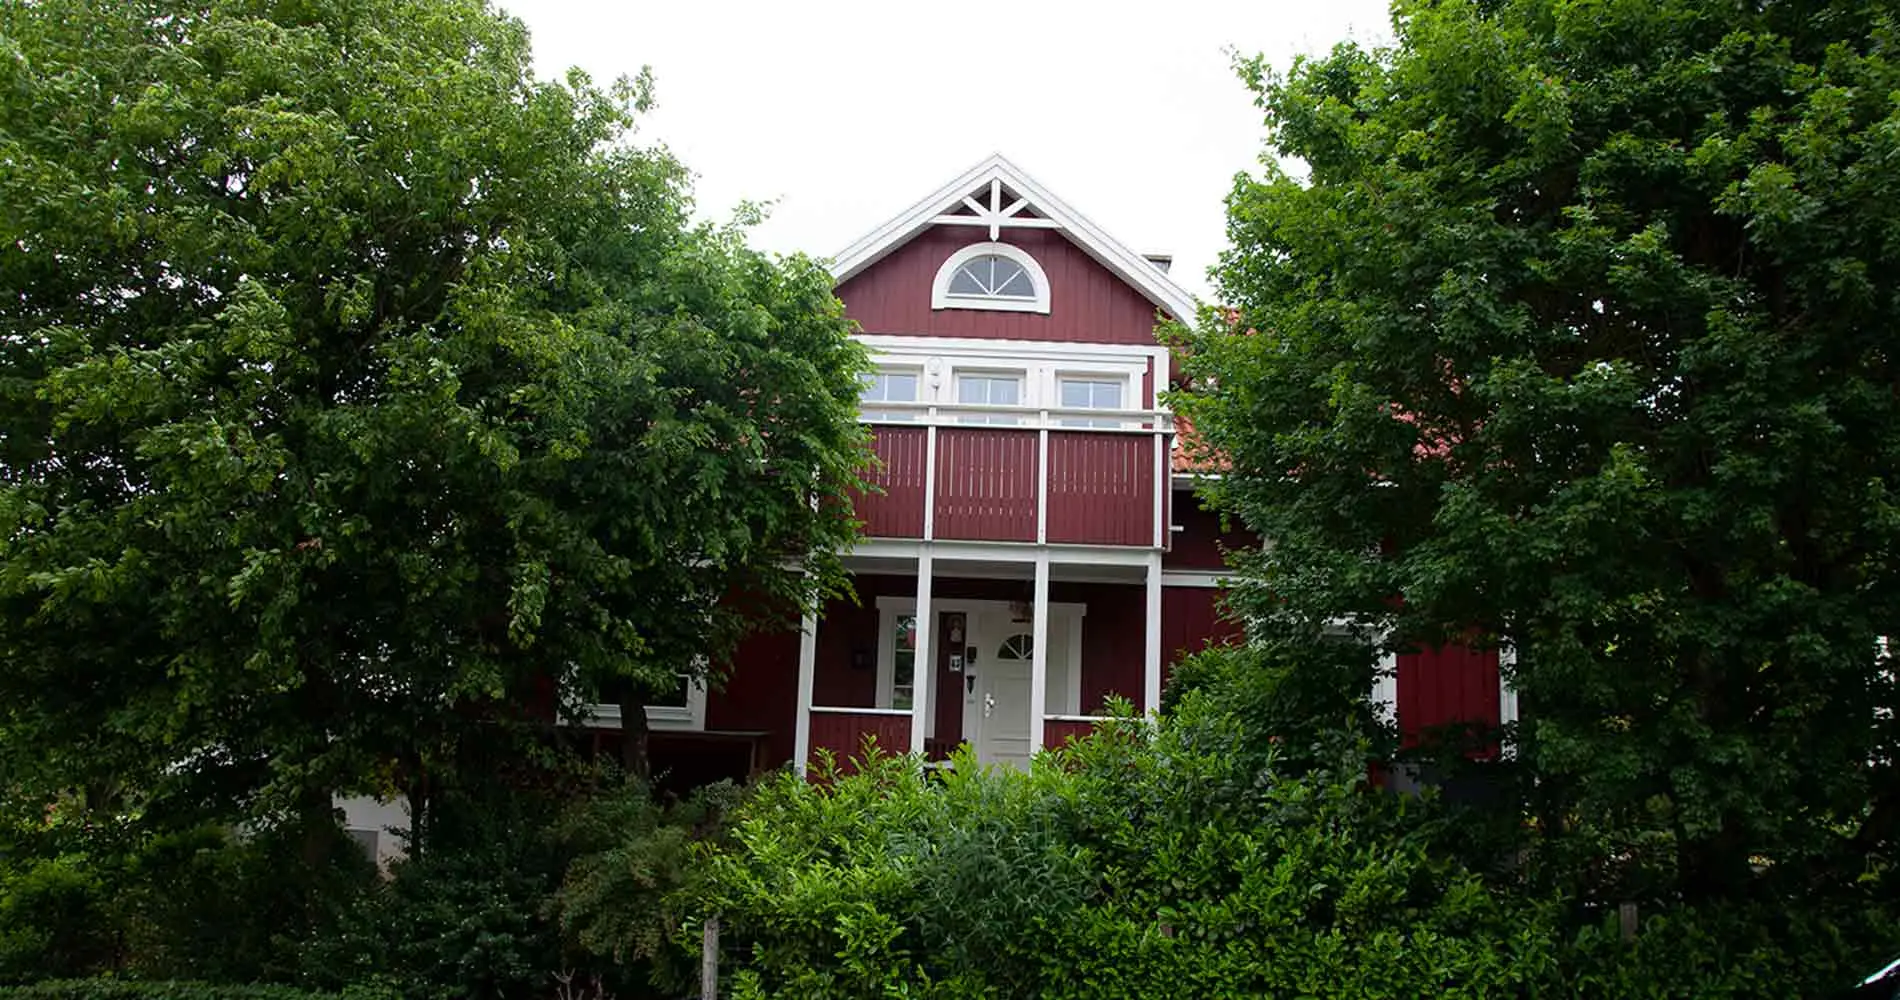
1039	654
1042	479
1161	485
923	664
1151	665
807	677
930	475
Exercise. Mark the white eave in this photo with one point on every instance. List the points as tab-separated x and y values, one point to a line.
1126	264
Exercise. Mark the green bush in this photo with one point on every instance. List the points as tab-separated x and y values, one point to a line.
630	854
84	899
1198	858
55	920
464	916
1136	864
131	989
521	890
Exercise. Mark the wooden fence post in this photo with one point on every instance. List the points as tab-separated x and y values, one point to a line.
709	960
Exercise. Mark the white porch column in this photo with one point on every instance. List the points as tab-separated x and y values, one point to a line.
807	674
1385	685
1507	695
1039	653
924	664
1151	666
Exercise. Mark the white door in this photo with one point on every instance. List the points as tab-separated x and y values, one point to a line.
996	703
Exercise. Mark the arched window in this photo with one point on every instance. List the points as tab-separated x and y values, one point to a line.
991	276
1021	646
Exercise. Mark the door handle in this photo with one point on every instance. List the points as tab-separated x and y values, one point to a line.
989	704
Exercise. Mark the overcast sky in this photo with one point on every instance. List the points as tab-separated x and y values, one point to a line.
845	113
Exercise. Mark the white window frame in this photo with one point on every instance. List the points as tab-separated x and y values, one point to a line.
1131	390
940	297
690	717
1025	391
873	409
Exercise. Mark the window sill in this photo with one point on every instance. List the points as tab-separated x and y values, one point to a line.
668	718
991	305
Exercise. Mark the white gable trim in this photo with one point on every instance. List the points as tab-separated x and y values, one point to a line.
1126	264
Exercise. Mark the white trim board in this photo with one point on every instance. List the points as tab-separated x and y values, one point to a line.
1054	350
1195	578
1015	552
1140	273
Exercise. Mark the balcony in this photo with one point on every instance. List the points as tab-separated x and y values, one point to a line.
1018	474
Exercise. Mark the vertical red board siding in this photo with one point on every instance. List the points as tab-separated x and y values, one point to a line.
946	697
986	484
1087	302
1056	733
898	511
1101	488
1201	544
760	693
1114	643
844	734
1191	621
844	667
1445	687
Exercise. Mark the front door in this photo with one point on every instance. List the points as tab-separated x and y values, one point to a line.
996	699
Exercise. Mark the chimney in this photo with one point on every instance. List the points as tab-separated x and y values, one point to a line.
1161	261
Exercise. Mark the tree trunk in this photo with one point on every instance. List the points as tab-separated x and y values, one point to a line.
633	735
316	809
1715	867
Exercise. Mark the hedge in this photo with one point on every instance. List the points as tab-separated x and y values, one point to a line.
132	989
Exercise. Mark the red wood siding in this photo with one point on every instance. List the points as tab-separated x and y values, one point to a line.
946	700
986	484
844	734
1190	622
1201	544
1101	488
761	692
1087	302
898	512
1445	687
1056	733
845	662
1114	644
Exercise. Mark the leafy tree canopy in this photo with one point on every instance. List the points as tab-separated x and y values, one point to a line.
1572	322
353	382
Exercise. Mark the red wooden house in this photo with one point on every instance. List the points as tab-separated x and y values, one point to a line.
1035	548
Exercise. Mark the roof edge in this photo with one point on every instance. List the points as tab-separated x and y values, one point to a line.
1126	264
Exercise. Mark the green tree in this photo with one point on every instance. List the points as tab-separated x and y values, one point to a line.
1571	322
354	385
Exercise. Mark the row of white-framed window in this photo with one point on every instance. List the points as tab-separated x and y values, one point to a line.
993	388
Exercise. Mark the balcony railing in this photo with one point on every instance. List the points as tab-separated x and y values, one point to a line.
1018	474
